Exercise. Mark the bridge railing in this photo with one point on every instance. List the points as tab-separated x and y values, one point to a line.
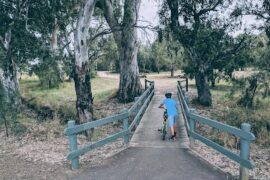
137	110
246	137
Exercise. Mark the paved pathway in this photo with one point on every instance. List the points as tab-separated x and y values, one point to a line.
148	157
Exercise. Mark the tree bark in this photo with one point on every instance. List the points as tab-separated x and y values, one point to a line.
250	91
9	85
9	90
130	85
55	51
125	36
84	101
204	94
172	72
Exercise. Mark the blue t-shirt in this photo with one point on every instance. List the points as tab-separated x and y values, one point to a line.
170	106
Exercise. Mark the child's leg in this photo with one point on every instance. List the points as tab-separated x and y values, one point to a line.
174	125
171	125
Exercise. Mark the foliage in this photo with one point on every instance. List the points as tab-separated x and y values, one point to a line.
110	58
204	34
235	115
256	84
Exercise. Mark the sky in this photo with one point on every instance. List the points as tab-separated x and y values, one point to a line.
148	15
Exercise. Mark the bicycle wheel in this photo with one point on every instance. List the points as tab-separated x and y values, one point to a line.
164	133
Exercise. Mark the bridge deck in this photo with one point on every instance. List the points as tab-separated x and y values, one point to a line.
148	157
147	134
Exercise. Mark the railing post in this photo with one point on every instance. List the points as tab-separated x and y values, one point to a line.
137	108
153	82
187	99
186	84
125	126
153	89
192	125
145	84
73	146
244	152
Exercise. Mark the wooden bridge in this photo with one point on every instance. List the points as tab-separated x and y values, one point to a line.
148	157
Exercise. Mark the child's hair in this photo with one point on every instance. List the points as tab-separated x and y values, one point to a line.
168	95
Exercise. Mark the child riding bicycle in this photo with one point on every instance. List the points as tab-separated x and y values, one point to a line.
171	107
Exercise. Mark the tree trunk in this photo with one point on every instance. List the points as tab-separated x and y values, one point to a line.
172	72
204	94
126	40
84	101
9	85
250	91
55	51
130	85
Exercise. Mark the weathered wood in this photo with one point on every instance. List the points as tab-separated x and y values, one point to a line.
222	150
134	106
73	146
100	143
244	152
137	117
192	125
125	126
183	111
224	127
83	127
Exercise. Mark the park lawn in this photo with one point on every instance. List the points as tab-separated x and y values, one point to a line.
102	88
63	98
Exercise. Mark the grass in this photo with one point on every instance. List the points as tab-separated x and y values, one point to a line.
63	99
102	88
233	114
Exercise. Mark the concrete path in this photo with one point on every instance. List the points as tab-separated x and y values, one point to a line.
148	157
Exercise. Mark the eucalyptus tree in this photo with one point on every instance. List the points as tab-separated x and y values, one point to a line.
52	20
203	32
122	19
17	44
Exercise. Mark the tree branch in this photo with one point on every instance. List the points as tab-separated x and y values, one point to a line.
204	11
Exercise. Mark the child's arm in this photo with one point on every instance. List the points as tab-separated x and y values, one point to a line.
161	106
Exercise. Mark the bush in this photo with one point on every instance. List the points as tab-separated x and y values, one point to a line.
257	118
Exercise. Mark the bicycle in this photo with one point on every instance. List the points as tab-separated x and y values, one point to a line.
163	130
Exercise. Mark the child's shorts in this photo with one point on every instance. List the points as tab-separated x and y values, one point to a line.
171	121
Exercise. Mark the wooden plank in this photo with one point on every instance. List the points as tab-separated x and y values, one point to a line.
183	112
133	107
183	100
224	127
100	143
144	106
222	150
82	127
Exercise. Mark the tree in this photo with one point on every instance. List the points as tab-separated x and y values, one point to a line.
202	31
125	36
52	21
18	44
84	100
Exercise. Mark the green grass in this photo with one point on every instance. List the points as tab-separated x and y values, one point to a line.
102	88
63	99
233	114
